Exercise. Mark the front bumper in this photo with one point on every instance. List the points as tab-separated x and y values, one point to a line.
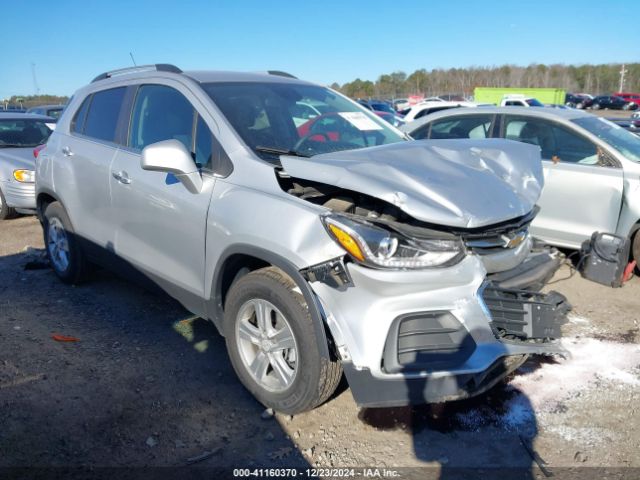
426	336
19	195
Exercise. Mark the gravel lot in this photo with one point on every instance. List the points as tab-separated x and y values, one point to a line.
146	384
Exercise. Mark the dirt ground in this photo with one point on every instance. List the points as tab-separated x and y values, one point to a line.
146	384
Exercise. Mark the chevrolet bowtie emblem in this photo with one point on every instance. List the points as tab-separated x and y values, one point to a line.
513	241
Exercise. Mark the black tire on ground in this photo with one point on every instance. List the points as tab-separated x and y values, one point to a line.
635	248
6	211
595	106
78	267
317	374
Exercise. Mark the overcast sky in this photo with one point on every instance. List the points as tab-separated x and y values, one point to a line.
71	41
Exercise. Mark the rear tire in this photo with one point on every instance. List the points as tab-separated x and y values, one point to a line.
596	106
61	243
289	380
6	211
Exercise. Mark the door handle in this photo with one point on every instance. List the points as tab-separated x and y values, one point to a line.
122	177
66	151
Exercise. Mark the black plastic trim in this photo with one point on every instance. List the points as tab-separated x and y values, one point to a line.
431	353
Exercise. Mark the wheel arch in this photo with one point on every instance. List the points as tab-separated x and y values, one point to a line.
236	261
44	198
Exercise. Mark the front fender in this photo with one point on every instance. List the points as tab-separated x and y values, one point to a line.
214	306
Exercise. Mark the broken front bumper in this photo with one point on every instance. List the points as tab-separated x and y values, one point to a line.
431	336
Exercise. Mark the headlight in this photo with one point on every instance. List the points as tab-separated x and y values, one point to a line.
380	248
24	176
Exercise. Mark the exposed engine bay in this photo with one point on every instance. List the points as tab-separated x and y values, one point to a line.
519	312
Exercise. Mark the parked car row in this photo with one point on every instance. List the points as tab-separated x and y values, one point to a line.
318	238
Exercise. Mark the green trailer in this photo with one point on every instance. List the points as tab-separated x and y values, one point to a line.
496	95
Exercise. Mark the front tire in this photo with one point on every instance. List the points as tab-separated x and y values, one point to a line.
596	106
61	243
6	211
273	345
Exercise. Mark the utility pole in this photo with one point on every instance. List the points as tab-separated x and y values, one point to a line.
35	81
623	71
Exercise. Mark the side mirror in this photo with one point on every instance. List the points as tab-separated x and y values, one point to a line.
171	156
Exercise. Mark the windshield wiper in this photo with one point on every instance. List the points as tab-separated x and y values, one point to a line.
280	151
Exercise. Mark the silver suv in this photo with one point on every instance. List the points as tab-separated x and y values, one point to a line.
316	245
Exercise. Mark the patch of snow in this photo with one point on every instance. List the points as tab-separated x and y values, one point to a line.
577	319
591	361
596	368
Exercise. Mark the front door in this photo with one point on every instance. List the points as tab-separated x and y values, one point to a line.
161	226
583	185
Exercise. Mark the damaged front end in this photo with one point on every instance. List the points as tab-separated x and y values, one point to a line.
425	311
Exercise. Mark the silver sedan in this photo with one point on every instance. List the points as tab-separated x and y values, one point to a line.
20	133
591	166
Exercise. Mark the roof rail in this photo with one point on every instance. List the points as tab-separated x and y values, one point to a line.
158	67
280	73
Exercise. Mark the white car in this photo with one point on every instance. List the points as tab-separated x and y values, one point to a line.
517	100
432	106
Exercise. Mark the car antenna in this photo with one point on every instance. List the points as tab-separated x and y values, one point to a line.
133	60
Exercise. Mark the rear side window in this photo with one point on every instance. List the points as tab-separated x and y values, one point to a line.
465	126
102	118
161	113
77	124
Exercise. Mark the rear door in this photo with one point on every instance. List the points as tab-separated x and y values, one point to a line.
583	183
477	125
89	150
160	226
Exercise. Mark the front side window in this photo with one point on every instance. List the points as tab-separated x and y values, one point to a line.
23	133
268	117
556	142
161	113
622	140
102	118
203	145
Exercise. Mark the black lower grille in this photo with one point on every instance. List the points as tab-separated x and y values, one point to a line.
524	314
426	341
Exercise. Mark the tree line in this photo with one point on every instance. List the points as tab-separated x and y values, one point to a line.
28	101
594	79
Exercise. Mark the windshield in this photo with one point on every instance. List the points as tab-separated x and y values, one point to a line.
625	142
305	120
532	102
23	133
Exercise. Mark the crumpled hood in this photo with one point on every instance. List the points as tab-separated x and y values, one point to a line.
457	183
